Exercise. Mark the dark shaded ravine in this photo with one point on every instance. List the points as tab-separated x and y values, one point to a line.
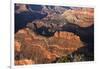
86	34
21	19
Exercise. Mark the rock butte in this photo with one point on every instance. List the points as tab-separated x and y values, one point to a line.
83	17
40	49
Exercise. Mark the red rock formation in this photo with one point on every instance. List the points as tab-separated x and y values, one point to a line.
83	17
44	50
24	62
17	46
67	35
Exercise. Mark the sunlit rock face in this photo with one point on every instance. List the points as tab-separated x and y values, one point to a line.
32	48
84	17
49	34
24	62
17	46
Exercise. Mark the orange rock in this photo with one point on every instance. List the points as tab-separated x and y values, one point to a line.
42	49
17	46
22	31
66	35
24	62
83	17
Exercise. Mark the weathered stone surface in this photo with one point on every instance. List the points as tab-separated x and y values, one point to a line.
46	37
41	49
17	46
24	62
83	17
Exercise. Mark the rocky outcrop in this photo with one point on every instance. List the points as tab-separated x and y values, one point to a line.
23	62
21	8
66	35
40	49
47	33
84	17
17	46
